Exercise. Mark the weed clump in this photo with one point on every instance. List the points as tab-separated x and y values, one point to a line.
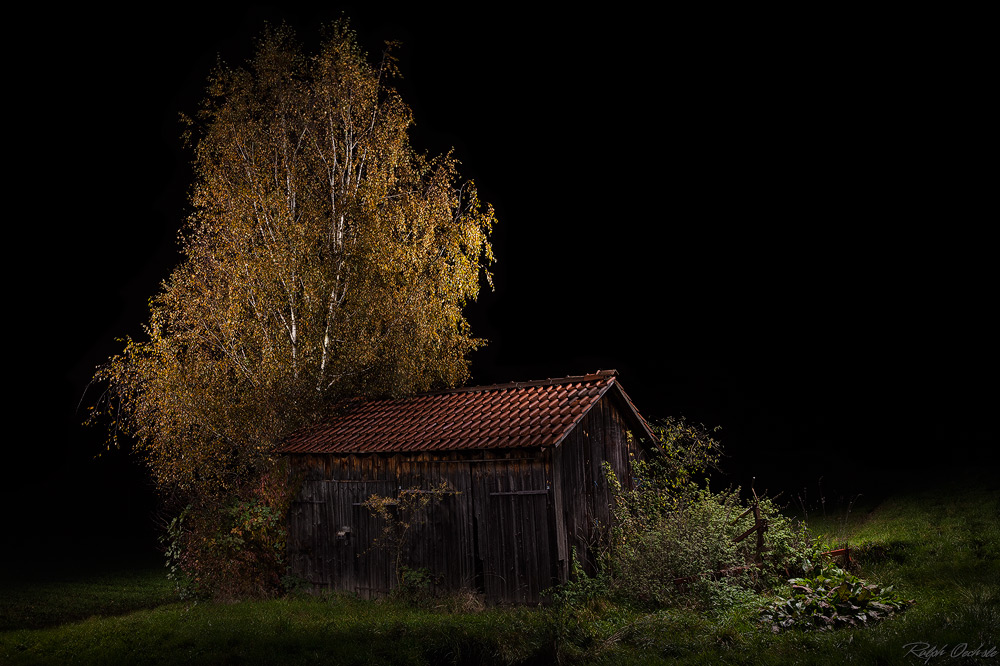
832	598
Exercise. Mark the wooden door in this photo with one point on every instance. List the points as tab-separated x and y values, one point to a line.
514	530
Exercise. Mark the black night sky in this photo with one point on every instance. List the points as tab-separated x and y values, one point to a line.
772	226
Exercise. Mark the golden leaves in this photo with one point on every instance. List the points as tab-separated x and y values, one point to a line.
323	258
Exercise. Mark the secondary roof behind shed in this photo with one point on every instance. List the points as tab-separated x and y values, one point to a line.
518	415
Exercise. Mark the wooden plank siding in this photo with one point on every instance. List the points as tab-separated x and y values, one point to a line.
507	531
585	499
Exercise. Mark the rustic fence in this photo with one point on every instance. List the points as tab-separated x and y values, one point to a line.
844	553
759	526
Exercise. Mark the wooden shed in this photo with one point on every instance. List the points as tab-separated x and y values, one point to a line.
524	462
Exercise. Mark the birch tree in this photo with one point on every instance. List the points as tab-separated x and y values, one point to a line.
323	258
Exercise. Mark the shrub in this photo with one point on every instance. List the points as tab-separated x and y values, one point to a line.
671	557
670	537
234	550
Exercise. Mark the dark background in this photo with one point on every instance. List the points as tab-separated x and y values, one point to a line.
774	224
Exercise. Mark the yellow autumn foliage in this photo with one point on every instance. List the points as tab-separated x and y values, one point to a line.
323	258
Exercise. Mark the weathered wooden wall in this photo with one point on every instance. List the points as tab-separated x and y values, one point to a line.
508	531
582	497
493	534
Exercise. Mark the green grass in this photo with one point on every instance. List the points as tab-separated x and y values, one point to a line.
44	598
135	617
286	631
939	545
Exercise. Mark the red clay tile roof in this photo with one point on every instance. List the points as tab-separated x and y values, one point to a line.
518	415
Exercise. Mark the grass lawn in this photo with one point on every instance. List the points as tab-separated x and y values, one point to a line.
937	544
50	598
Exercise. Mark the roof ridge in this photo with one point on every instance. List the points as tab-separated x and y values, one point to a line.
551	381
516	414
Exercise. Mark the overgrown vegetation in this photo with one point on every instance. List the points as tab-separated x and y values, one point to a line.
937	543
234	551
677	546
675	542
689	555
